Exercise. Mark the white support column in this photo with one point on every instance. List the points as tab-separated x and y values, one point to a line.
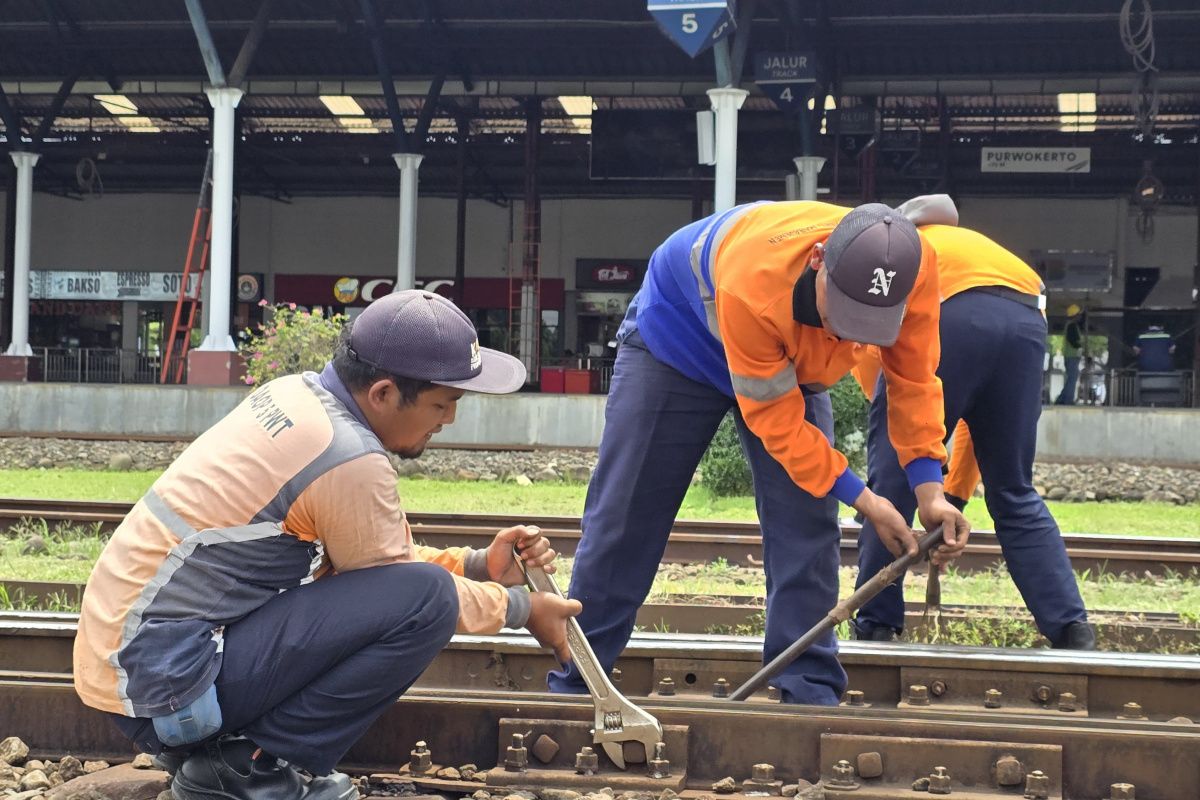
24	225
406	258
725	103
808	167
224	100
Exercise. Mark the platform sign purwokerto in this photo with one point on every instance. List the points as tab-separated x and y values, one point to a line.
786	77
694	25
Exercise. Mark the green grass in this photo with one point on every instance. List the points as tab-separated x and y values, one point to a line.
1129	519
70	552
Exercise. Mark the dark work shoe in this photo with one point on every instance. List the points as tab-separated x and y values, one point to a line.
236	769
866	632
170	761
1076	636
334	786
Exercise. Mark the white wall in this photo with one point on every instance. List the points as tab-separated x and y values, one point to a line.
328	235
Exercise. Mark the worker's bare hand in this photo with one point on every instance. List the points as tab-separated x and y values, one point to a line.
893	531
934	511
548	614
528	543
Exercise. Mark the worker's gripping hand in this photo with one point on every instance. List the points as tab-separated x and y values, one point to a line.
548	615
528	543
893	531
934	510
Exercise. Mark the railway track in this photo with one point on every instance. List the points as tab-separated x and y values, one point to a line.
692	541
484	689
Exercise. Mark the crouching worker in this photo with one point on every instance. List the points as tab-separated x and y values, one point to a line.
264	602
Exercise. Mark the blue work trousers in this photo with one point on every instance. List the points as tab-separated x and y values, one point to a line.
991	371
306	674
658	424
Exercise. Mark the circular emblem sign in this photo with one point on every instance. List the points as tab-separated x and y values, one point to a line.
345	290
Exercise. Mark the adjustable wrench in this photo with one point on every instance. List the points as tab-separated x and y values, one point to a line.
617	720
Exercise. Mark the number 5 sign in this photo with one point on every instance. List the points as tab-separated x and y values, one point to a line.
694	25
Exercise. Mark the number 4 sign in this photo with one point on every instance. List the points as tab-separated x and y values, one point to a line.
694	25
786	78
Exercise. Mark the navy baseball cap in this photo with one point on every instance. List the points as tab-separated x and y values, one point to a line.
421	335
872	257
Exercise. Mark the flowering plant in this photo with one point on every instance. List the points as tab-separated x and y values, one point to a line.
292	340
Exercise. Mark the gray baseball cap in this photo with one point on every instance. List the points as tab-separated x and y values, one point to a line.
872	258
422	335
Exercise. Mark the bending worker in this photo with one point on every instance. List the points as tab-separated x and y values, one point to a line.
993	333
264	602
760	308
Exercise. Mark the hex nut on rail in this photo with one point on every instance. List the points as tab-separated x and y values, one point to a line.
720	688
1037	786
937	688
1131	711
773	693
420	760
842	778
516	757
918	695
666	686
856	698
991	698
939	781
1122	791
762	781
586	761
660	767
1009	771
1066	702
1043	694
870	765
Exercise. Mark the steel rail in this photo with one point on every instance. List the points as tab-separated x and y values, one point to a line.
692	541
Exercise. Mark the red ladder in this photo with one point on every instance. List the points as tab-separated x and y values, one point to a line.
179	337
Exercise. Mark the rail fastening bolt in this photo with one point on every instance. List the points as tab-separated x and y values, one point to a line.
666	686
762	773
1131	711
660	767
1009	771
420	760
586	761
918	695
1122	791
843	776
937	688
616	674
516	758
939	781
773	693
991	698
720	688
1037	785
1043	694
1066	702
855	697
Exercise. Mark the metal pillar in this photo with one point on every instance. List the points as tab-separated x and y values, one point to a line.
725	103
19	346
406	260
808	167
224	100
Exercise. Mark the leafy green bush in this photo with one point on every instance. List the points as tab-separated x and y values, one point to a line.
724	468
850	422
292	341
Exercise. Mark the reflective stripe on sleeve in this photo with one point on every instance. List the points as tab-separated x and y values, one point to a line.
765	389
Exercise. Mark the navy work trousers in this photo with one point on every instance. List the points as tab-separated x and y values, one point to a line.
657	426
991	371
306	674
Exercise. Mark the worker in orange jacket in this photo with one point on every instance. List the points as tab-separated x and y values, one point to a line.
993	333
759	309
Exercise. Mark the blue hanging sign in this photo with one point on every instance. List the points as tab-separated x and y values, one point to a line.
694	25
786	77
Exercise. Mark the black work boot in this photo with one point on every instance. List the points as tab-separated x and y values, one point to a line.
866	632
1076	636
235	769
169	761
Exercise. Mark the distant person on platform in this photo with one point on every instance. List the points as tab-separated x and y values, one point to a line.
759	309
993	330
1072	349
1155	350
264	602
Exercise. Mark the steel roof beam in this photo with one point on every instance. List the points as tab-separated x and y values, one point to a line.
254	36
375	37
208	48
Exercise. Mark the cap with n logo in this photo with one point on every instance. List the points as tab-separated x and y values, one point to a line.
872	258
422	335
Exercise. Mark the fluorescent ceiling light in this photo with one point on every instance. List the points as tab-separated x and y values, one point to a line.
117	104
139	124
358	124
576	105
1077	112
342	105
